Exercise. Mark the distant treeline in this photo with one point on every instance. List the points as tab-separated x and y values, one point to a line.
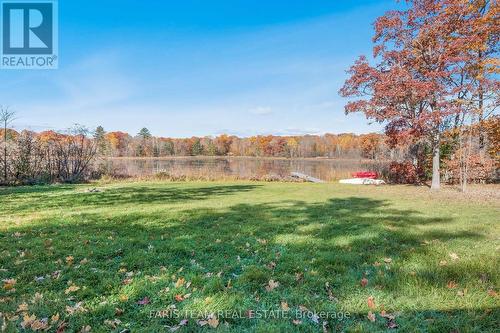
120	144
29	157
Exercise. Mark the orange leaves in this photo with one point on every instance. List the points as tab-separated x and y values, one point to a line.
364	282
8	284
492	293
371	302
69	260
180	282
451	285
213	321
284	306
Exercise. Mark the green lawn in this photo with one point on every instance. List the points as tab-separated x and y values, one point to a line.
110	260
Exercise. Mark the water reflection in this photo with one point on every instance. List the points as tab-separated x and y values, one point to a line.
241	167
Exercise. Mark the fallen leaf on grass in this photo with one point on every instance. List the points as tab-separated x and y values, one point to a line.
492	293
112	323
62	327
364	282
462	293
71	289
23	307
86	329
271	265
371	302
297	322
180	282
331	297
453	256
179	298
123	298
54	318
371	316
8	284
37	297
284	306
271	285
391	324
75	308
213	321
27	321
40	324
176	327
127	281
144	301
386	315
387	260
69	260
451	285
303	308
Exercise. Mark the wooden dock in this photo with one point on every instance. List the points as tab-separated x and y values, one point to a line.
306	177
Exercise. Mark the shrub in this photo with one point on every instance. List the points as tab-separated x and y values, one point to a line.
404	173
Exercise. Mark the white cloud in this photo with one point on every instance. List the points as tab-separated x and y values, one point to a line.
261	111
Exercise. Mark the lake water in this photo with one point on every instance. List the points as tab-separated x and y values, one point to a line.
241	167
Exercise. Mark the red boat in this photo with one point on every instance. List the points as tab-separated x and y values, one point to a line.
365	174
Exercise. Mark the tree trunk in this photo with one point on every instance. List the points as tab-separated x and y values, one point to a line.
5	152
436	176
481	113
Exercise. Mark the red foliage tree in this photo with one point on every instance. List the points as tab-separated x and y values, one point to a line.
425	68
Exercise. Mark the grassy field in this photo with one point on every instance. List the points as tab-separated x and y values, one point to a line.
310	257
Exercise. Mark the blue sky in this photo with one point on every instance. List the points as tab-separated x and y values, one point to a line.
184	68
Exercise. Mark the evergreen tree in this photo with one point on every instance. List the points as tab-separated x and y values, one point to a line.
144	133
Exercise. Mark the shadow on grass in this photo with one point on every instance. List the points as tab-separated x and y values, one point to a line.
136	195
301	245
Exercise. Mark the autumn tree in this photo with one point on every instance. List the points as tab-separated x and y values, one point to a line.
369	145
223	144
6	117
118	142
412	88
